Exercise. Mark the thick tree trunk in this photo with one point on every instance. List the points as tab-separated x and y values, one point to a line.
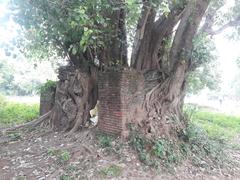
163	107
76	95
163	103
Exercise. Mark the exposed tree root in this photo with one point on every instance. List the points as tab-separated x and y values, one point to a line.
76	95
33	123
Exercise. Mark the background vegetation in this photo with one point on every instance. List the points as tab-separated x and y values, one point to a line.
218	125
12	113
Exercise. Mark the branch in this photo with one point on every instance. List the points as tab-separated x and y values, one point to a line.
182	43
233	23
33	123
210	17
147	10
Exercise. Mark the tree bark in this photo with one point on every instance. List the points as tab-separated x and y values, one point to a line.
76	95
163	103
150	37
114	51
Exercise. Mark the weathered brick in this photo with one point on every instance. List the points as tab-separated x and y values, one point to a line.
117	92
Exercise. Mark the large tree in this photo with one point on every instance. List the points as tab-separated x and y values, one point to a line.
92	35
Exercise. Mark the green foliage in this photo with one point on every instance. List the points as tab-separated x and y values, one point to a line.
105	140
138	142
66	177
206	137
59	28
202	147
63	156
209	133
14	136
217	125
205	73
6	77
154	151
111	171
166	150
16	113
133	13
17	81
49	85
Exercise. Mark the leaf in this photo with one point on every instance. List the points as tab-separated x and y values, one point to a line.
74	50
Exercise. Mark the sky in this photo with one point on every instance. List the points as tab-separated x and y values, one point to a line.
227	50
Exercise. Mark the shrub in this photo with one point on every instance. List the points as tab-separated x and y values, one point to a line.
48	86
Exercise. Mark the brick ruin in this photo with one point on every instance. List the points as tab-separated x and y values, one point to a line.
47	99
120	96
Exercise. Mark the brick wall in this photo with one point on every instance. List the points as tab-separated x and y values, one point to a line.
120	94
47	99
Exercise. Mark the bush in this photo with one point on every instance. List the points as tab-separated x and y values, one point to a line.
48	86
202	146
196	147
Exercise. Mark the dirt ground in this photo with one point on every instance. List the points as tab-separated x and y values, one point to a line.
43	154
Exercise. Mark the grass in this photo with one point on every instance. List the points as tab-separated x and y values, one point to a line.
111	171
218	125
16	113
63	156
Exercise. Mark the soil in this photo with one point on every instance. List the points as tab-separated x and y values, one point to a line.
43	154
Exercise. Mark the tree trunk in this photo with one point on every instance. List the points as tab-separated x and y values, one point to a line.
163	103
163	107
76	95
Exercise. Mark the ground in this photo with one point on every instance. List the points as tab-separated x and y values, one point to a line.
43	154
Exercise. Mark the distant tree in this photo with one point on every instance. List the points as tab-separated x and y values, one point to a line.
6	78
9	85
207	74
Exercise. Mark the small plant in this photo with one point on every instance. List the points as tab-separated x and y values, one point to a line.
62	155
52	152
138	143
71	168
111	171
14	136
66	177
167	151
105	141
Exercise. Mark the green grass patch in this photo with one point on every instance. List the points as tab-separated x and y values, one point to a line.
111	171
16	113
218	125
